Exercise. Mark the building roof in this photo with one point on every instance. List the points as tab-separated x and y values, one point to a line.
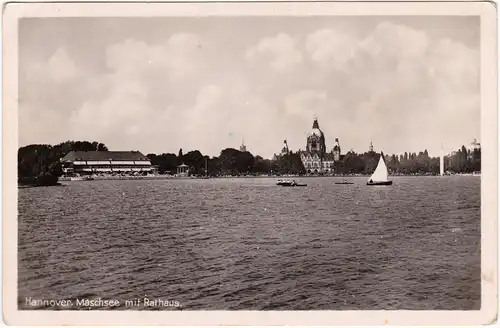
104	156
474	145
315	129
329	157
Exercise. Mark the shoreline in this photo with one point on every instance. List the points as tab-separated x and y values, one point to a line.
160	177
25	186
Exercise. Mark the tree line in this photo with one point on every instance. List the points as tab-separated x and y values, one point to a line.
461	161
230	162
234	162
39	164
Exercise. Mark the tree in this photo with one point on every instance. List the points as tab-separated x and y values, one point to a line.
40	165
37	166
261	165
180	157
167	163
244	162
195	160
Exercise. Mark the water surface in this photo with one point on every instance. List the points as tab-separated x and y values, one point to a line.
245	243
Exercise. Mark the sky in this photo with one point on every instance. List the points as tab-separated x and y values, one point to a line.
405	83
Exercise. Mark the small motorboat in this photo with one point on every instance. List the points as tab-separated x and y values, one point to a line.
292	183
344	182
283	182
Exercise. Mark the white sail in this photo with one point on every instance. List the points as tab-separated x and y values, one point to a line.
380	174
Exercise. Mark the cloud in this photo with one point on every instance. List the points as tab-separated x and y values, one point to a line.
59	69
118	112
330	47
280	50
409	89
401	87
395	41
175	58
306	103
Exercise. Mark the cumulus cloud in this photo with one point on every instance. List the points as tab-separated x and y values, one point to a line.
59	68
331	47
281	51
175	57
395	41
119	111
306	103
406	83
401	87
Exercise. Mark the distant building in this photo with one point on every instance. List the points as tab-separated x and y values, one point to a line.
285	150
472	149
336	150
370	148
475	145
243	148
91	162
182	170
315	158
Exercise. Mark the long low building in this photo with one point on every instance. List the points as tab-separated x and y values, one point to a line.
91	162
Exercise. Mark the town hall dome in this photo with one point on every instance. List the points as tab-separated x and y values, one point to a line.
316	139
316	130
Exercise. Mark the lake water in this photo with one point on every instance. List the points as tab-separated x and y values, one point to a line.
243	243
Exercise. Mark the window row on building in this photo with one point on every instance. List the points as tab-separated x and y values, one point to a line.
88	162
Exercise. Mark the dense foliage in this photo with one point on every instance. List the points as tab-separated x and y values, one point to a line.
229	162
39	165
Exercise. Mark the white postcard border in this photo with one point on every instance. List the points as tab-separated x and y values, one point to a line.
489	176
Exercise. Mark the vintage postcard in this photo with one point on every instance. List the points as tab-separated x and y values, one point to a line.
250	163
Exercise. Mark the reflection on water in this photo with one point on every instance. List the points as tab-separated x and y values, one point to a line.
248	244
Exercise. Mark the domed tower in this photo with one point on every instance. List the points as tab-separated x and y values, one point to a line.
316	140
336	150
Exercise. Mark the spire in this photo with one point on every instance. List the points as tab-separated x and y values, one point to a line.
371	147
243	148
336	145
315	124
284	150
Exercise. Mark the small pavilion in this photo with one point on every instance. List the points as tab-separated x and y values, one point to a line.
182	170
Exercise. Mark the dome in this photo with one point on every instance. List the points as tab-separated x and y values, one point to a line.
315	129
317	132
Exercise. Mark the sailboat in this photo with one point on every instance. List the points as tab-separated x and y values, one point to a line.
380	175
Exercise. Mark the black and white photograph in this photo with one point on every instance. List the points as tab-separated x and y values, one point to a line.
251	161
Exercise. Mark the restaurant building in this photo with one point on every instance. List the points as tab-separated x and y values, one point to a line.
95	162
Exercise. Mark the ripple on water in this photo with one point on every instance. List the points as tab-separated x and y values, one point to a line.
247	244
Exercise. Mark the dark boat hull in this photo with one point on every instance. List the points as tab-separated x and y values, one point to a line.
383	183
344	182
291	185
